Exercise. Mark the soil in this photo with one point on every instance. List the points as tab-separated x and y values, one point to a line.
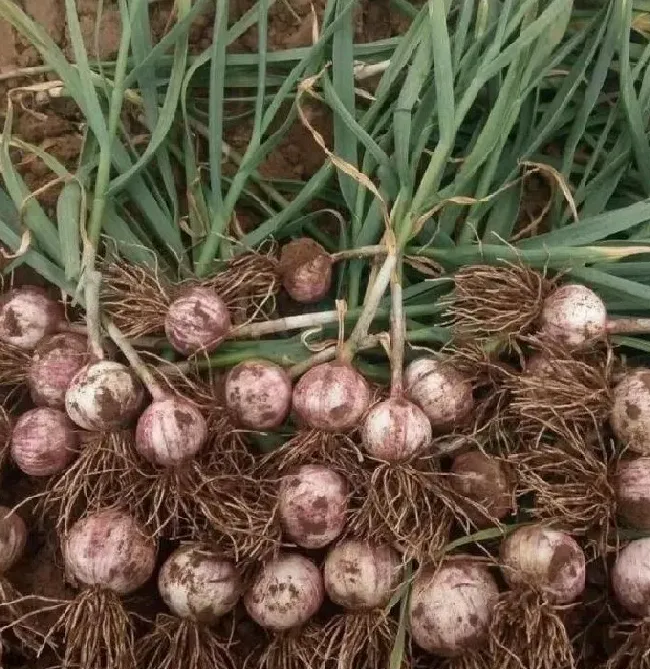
55	125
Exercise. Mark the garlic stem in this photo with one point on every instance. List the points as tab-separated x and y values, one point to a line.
397	335
93	284
328	354
628	325
370	306
136	362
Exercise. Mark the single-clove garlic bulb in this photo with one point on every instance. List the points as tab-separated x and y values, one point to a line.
43	442
258	394
197	321
104	396
441	391
573	315
306	270
451	608
55	362
170	431
27	315
196	583
396	430
331	397
286	593
313	505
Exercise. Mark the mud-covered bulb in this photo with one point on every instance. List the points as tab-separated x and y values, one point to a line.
27	315
258	394
441	391
104	395
451	609
197	321
331	397
360	575
13	537
286	593
630	414
631	578
170	431
43	442
198	584
632	487
396	430
54	364
109	549
573	315
482	479
313	504
306	270
546	559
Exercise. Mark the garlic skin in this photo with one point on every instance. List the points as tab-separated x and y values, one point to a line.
482	479
396	430
331	397
170	431
13	537
630	414
306	270
197	584
54	364
572	315
548	559
631	577
27	315
43	442
286	593
109	549
632	486
313	505
361	576
451	609
197	321
441	391
258	394
103	395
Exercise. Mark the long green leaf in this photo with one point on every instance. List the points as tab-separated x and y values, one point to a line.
593	229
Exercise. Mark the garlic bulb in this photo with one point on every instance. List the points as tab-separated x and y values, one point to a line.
451	608
103	395
482	479
441	391
286	593
55	362
572	315
306	270
197	321
312	505
108	549
544	558
196	583
27	315
170	431
360	576
632	485
630	415
258	394
13	537
631	577
43	442
331	397
396	430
